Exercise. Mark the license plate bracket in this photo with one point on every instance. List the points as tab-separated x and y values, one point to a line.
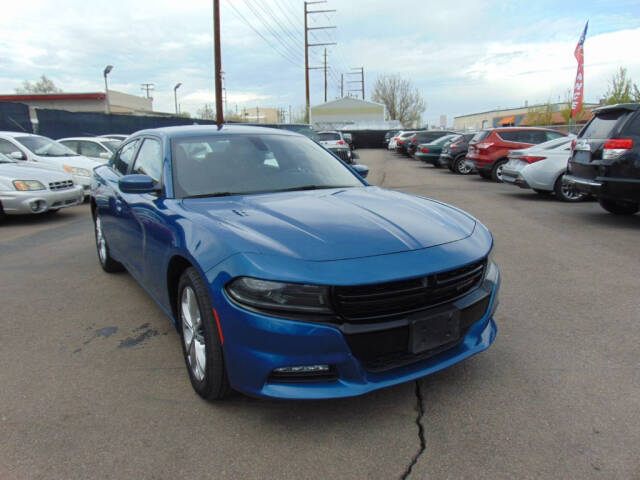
433	330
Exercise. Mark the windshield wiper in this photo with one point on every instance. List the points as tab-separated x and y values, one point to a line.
311	187
215	194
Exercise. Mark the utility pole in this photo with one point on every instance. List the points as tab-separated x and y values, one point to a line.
342	85
358	71
325	75
308	12
147	87
218	62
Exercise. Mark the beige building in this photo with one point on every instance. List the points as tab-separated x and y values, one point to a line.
120	103
514	117
261	115
349	113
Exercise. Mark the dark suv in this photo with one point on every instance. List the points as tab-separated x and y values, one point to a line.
605	158
453	155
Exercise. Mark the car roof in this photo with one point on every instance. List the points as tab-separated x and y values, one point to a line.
95	139
618	106
185	131
506	129
18	134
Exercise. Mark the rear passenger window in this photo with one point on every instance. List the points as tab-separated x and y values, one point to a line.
122	159
72	144
553	135
149	160
512	136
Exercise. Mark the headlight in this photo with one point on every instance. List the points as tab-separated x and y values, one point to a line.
292	297
81	172
24	185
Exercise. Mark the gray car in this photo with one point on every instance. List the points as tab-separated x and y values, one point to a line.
26	189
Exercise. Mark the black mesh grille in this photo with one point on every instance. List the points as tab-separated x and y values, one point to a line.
387	349
381	300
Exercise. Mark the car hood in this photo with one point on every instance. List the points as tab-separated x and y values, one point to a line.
332	224
14	171
78	161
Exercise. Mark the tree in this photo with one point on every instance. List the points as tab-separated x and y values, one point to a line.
44	85
542	115
207	112
184	115
621	89
403	101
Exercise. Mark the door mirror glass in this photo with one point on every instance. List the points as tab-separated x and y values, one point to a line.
136	183
361	170
17	156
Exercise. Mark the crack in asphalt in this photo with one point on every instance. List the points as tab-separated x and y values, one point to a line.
423	443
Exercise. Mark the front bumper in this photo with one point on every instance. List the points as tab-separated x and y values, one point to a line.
39	201
255	344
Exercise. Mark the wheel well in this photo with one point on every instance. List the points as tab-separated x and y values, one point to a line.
177	266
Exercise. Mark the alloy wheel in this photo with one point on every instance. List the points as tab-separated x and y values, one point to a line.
193	333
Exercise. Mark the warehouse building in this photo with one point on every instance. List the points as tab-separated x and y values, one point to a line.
349	114
519	116
120	103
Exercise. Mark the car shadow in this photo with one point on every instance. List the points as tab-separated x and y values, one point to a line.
607	219
47	218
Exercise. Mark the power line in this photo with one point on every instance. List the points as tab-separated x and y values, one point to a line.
274	18
289	17
291	49
281	53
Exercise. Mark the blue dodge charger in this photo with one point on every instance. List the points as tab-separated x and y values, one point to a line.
284	272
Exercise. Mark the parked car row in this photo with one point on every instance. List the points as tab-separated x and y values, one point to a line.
39	175
602	161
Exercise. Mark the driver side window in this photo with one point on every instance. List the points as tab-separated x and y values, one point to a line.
149	159
122	159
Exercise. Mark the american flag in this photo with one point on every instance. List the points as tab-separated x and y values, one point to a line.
578	87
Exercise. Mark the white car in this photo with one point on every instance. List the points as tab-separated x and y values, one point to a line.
27	189
334	141
541	168
100	148
393	143
49	154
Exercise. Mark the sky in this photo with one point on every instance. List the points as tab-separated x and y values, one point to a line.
463	56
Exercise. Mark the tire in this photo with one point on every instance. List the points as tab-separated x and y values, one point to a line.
460	166
619	208
107	263
484	174
565	193
496	171
201	340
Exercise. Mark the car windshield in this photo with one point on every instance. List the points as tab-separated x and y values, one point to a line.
328	136
111	144
220	165
45	147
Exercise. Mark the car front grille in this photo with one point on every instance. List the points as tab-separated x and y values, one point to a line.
379	302
343	154
62	185
387	349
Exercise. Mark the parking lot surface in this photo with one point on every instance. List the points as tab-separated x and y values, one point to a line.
93	384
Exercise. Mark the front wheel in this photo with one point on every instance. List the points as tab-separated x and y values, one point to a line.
107	262
567	193
619	208
201	339
461	166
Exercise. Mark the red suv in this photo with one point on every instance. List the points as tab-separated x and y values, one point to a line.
488	149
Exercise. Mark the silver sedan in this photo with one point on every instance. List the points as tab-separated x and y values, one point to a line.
26	189
541	169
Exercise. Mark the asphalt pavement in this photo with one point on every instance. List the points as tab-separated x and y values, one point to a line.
93	385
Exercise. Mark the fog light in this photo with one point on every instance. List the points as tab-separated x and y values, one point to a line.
37	205
302	369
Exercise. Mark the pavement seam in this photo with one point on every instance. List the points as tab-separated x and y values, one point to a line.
423	443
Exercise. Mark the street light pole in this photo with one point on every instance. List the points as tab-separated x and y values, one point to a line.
175	95
107	71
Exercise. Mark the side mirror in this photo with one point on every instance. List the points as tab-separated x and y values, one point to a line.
105	155
17	156
361	170
355	156
136	183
